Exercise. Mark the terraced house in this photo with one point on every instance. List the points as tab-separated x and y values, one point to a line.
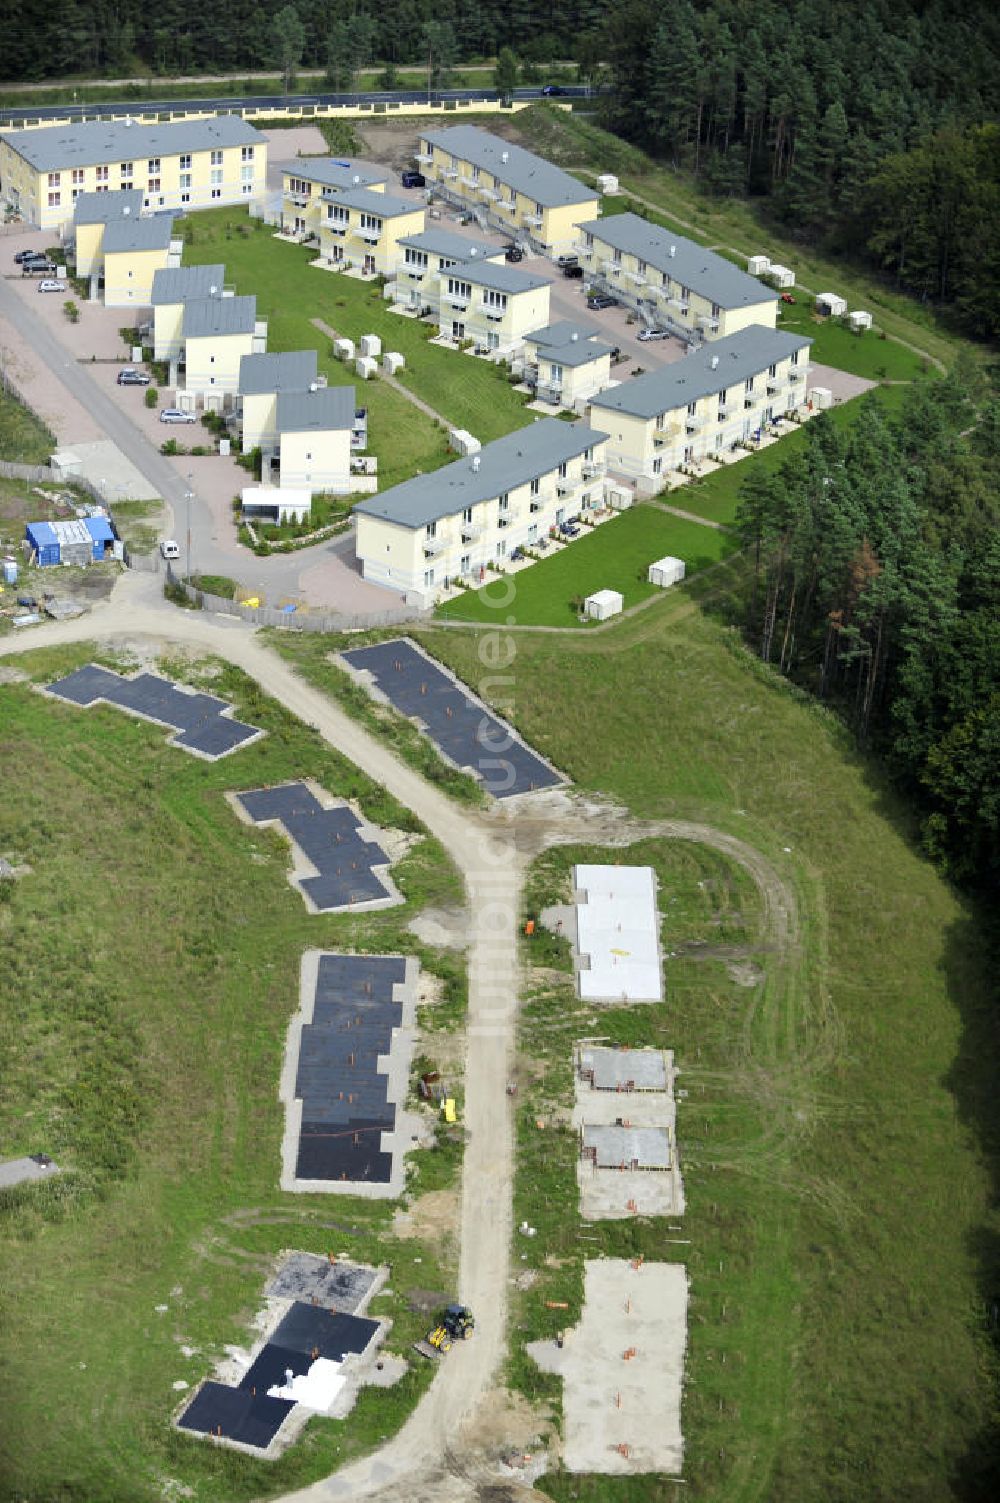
417	284
491	303
134	251
566	363
672	281
723	394
194	164
507	187
92	213
453	523
173	288
308	183
362	227
217	333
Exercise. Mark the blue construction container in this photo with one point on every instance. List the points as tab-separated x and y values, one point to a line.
44	542
102	535
83	541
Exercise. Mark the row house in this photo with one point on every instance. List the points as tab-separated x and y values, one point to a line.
362	227
174	287
308	183
92	213
217	332
180	165
673	282
724	394
416	287
491	303
566	363
134	251
455	522
507	187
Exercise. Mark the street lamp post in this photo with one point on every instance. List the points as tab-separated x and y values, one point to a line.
188	496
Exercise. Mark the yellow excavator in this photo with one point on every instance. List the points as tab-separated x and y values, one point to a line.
456	1324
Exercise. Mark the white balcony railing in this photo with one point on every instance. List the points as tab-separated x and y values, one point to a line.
533	219
795	375
426	157
433	546
592	468
472	530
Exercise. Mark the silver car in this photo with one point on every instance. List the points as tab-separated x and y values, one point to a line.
175	415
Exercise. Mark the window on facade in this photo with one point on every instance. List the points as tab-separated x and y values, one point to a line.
562	470
715	310
466	563
338	214
535	487
416	258
795	357
428	576
692	408
185	198
494	299
502	549
126	169
54	179
616	257
101	188
538	211
772	370
505	502
55	199
640	267
185	179
185	161
371	222
247	153
216	175
247	187
78	174
722	398
588	240
748	384
216	158
216	192
459	289
246	173
430	530
467	514
153	165
102	174
557	373
154	185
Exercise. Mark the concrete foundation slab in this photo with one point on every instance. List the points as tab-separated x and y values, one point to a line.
609	1193
623	1369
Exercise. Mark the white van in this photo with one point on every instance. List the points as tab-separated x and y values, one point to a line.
170	549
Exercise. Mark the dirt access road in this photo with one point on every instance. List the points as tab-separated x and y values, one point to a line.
427	1459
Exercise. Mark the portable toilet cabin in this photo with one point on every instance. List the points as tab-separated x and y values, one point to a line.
602	604
666	572
758	265
831	304
860	320
782	276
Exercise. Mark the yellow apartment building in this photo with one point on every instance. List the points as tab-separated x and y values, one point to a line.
363	228
566	363
451	523
174	287
506	187
307	184
134	251
314	439
417	284
187	164
262	380
494	304
92	213
724	394
672	282
217	333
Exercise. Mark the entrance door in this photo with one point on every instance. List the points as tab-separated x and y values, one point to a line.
369	266
457	329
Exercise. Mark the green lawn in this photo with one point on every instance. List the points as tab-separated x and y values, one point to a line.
840	1117
24	438
150	966
862	354
468	393
614	556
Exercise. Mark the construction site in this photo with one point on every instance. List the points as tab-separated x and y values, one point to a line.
626	1116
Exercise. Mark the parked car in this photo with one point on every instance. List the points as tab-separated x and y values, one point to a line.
175	415
412	179
131	377
42	268
551	90
599	300
567	260
29	255
169	549
646	334
51	285
574	273
513	253
786	297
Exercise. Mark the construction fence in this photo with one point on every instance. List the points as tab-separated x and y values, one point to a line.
298	619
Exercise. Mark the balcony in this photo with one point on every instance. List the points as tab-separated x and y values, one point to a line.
535	219
638	277
773	386
724	413
449	172
299	201
535	506
494	315
693	422
433	546
749	402
460	304
592	468
505	519
490	193
337	226
582	249
564	487
709	324
472	530
469	180
678	303
426	157
370	237
664	432
796	375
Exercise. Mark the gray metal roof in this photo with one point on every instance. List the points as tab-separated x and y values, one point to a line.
737	356
367	201
568	343
219	315
187	284
102	208
334	172
453	247
138	234
315	411
711	276
91	143
503	465
291	370
613	1069
512	166
499	277
621	1147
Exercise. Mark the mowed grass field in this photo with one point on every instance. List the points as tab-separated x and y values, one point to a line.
468	393
150	966
840	1114
24	438
615	555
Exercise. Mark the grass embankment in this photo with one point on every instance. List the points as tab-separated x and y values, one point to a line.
151	961
24	438
466	392
613	556
838	1113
